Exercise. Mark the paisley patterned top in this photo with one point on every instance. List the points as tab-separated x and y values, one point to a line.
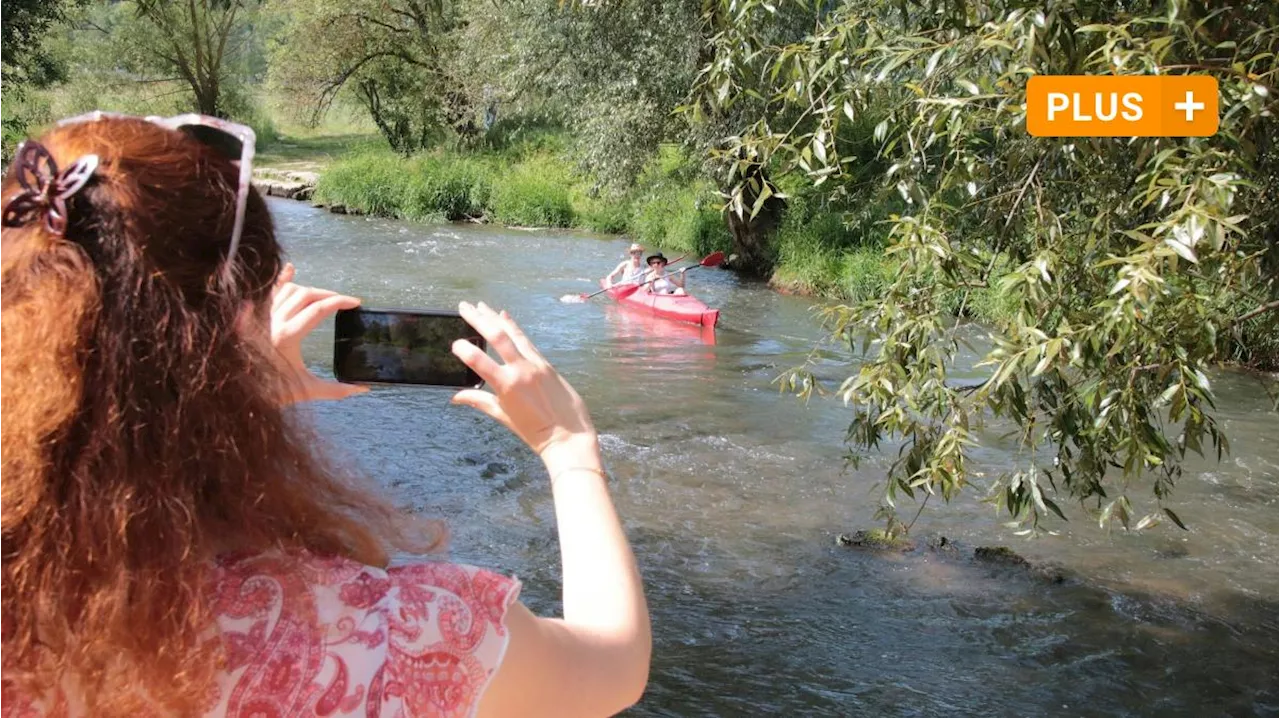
306	635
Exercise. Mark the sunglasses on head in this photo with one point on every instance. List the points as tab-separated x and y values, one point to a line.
233	141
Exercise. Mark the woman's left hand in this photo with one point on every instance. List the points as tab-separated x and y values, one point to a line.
295	311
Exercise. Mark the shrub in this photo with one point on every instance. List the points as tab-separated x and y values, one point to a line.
534	193
371	183
445	187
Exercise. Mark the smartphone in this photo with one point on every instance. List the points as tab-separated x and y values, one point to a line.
399	346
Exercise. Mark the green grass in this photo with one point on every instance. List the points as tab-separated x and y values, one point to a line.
372	183
312	152
824	251
446	185
675	209
533	193
295	144
443	186
528	182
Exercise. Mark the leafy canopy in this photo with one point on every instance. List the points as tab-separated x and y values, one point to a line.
1132	265
27	63
396	57
611	72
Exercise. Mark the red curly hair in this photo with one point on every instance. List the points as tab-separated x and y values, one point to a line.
143	433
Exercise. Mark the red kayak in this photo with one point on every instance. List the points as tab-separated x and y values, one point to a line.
680	307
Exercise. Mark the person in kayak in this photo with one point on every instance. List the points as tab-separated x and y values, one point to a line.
630	269
659	281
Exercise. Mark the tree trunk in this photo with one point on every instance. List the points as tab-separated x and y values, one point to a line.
751	239
753	236
207	101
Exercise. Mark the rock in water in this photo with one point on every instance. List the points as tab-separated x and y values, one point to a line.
875	539
1001	555
943	544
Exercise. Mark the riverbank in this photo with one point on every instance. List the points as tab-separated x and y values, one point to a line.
533	184
528	184
820	250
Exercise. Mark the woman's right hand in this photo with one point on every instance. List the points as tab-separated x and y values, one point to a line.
595	661
529	397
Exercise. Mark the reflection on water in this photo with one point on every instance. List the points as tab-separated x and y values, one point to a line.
628	325
732	494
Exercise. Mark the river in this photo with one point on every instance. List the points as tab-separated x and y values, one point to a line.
733	493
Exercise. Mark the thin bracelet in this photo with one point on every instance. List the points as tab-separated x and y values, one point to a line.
598	472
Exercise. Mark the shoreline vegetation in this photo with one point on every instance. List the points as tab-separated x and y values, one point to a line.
534	184
531	184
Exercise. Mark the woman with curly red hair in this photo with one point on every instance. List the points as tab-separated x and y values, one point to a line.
173	544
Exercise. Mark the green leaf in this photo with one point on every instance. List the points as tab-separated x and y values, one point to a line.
1054	507
1174	518
1105	515
932	64
1182	250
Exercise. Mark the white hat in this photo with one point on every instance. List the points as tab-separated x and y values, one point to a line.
635	247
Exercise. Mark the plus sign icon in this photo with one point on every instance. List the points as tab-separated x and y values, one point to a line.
1122	106
1190	106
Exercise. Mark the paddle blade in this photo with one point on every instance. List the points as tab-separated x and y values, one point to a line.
712	260
574	298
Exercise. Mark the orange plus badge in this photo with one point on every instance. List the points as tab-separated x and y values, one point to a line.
1122	106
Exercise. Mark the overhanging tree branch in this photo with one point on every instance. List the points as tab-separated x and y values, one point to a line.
1257	311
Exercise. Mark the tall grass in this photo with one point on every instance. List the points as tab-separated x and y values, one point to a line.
372	183
447	187
824	250
676	209
533	193
524	183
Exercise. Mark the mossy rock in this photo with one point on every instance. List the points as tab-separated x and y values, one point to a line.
1050	573
1000	555
875	539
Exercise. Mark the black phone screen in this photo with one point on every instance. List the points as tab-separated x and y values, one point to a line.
395	346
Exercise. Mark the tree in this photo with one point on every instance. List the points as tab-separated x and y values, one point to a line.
26	62
612	72
392	55
194	40
617	75
26	23
1130	266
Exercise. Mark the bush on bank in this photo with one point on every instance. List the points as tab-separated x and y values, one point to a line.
676	209
820	250
525	186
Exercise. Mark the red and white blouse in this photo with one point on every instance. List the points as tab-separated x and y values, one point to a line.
306	635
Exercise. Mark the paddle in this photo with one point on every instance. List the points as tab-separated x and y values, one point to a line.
584	297
711	260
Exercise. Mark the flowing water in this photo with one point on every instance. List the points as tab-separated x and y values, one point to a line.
733	493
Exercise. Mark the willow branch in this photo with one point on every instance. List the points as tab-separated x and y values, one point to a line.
1255	312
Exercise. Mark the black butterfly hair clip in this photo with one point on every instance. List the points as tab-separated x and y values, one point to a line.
45	190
